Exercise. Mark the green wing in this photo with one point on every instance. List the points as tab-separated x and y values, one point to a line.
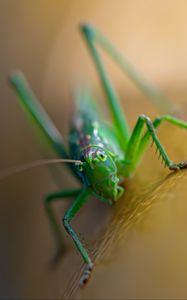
37	113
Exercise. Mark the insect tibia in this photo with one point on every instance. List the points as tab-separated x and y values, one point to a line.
88	30
159	152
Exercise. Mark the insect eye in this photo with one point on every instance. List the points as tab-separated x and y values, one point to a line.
101	155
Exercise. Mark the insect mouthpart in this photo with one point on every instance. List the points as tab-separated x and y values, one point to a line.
108	187
118	192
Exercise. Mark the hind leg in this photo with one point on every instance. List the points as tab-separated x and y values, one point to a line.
155	95
117	113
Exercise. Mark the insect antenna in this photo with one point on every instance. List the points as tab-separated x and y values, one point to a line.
38	163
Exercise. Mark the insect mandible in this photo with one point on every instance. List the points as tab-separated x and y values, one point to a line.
105	154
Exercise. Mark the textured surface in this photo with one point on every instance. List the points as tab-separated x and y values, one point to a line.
143	254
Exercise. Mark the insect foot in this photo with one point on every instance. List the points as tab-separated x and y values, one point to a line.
86	275
175	167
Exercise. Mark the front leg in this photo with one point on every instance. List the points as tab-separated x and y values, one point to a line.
70	213
49	200
156	123
137	141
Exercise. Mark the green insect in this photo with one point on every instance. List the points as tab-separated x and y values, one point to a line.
102	155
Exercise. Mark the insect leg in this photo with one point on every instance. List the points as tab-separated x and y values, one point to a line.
155	95
137	144
58	196
71	212
37	113
156	123
119	119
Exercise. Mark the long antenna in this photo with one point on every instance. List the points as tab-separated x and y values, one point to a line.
18	169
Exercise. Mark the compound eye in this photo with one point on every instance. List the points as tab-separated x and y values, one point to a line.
101	155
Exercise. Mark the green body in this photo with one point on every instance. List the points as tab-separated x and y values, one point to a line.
109	153
96	144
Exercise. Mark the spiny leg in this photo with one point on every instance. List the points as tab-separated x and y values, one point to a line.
158	98
137	144
71	212
156	123
118	116
51	198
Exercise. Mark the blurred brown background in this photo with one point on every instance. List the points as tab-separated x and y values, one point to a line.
41	38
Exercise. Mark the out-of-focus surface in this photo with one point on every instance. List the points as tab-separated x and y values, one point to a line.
143	248
143	253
